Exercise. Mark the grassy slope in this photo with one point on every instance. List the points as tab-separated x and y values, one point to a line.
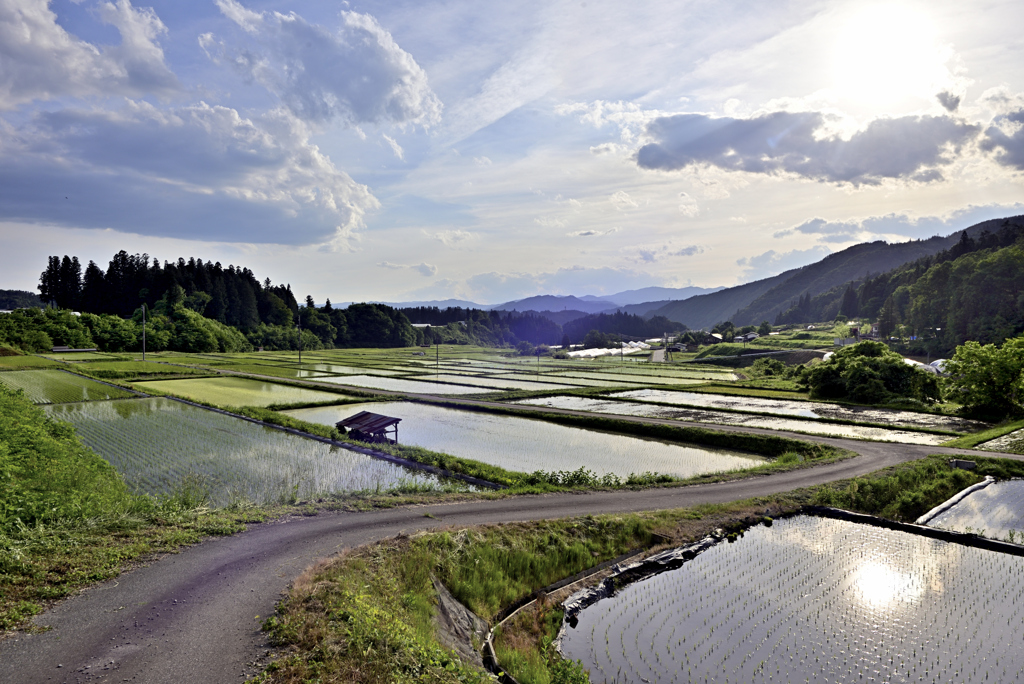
489	567
366	616
67	519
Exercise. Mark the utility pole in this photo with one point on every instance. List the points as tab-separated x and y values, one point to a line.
143	331
300	339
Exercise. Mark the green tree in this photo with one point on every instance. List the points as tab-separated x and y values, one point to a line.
869	372
888	318
765	328
988	381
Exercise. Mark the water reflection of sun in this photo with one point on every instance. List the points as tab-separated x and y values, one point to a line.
879	585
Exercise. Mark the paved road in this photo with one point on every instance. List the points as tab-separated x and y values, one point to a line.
192	616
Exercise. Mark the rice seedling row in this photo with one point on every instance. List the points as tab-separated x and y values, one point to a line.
997	512
58	387
157	443
9	363
401	385
82	356
526	445
1010	443
270	369
807	409
625	408
813	600
578	382
652	380
233	391
491	382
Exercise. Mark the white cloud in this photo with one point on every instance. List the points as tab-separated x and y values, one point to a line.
202	171
549	222
395	147
900	226
590	232
40	60
496	287
357	75
424	269
451	238
772	263
688	206
650	255
622	201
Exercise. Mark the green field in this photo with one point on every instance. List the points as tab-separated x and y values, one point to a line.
157	444
59	387
229	391
18	362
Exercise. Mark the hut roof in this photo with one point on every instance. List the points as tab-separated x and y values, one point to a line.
371	423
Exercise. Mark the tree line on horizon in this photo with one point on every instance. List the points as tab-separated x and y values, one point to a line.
203	307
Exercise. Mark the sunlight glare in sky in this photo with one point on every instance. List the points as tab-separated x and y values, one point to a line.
886	54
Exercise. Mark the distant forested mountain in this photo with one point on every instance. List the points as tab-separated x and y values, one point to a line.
766	299
19	299
620	323
974	290
704	311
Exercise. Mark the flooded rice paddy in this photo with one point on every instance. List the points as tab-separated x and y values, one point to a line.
229	391
156	443
625	408
807	409
623	377
58	387
402	385
1012	443
997	512
525	445
813	600
522	382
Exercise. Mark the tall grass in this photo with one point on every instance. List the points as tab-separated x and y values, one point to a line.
67	518
908	491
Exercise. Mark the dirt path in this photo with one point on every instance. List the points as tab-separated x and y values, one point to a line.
195	616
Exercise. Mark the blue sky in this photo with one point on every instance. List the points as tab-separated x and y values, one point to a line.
492	151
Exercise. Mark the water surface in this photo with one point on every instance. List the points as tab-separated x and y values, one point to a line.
526	445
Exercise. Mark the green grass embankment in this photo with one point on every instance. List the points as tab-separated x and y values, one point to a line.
973	440
67	519
367	616
908	491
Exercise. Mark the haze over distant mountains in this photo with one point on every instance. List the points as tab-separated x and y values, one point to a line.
746	304
585	304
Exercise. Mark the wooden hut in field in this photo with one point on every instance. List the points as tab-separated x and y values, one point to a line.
371	427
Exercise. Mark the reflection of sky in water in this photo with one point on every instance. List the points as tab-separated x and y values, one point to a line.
806	409
996	509
626	408
526	445
1003	443
813	599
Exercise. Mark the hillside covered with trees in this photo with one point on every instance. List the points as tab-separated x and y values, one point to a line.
974	290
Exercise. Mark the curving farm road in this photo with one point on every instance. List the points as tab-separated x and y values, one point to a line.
195	616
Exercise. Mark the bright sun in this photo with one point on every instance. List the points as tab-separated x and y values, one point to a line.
887	53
